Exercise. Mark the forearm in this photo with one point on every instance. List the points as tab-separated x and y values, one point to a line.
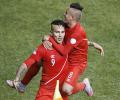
96	46
63	50
93	44
57	47
21	72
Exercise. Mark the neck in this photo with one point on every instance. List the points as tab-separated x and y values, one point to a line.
56	40
72	24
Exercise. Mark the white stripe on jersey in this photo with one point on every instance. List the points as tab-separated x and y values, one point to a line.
58	73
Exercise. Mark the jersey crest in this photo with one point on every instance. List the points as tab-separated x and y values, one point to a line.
72	40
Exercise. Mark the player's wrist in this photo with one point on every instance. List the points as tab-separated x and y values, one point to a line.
46	38
91	43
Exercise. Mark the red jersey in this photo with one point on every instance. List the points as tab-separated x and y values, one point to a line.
54	66
76	46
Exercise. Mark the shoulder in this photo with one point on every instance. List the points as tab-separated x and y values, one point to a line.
79	32
79	29
40	49
78	35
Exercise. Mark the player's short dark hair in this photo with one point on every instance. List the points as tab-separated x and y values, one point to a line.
76	6
57	22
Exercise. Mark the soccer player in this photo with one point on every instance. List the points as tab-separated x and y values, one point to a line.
54	65
76	46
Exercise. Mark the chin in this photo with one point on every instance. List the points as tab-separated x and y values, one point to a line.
59	42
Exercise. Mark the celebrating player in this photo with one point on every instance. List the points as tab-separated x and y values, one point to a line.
76	46
54	65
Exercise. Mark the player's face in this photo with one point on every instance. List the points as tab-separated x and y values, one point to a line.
67	16
58	32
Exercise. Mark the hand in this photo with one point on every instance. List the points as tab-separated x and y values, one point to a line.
47	45
46	37
99	47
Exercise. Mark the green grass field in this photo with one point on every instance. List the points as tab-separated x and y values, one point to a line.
24	22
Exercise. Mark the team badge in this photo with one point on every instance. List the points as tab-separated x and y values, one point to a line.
72	40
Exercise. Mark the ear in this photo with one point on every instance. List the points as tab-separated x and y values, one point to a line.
72	17
51	33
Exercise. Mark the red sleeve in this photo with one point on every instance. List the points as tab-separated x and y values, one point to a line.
70	44
35	57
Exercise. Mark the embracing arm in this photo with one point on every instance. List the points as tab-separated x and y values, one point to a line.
49	43
63	50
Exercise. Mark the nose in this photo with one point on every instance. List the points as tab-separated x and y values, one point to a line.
60	34
64	14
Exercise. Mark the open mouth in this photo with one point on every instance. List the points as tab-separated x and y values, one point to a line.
59	38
